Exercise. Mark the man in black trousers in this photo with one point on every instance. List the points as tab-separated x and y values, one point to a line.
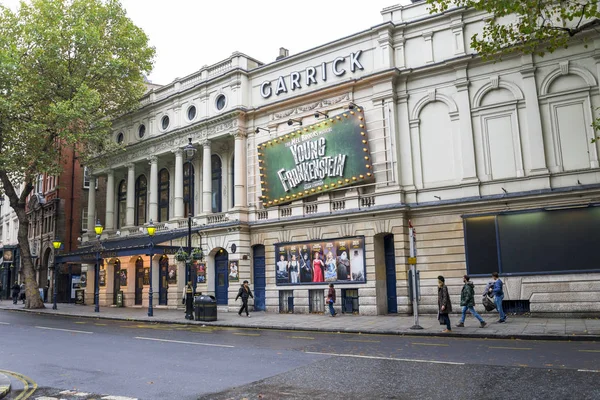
244	293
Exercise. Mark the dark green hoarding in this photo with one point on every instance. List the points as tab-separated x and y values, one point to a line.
314	159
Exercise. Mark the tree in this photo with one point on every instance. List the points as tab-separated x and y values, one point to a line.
527	26
67	69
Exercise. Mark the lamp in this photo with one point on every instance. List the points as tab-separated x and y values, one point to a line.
151	228
258	129
56	244
189	149
317	113
292	121
98	228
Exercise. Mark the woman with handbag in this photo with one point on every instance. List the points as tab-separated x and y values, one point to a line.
444	304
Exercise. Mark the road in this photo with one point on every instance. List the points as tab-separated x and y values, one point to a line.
94	358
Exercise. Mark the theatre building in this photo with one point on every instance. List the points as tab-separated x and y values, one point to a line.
307	170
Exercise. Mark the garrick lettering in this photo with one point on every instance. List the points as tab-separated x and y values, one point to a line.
311	164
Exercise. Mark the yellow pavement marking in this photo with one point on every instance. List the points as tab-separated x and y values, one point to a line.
27	391
100	324
246	334
80	322
362	341
590	351
431	344
509	348
302	337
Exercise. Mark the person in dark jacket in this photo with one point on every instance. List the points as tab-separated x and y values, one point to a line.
244	293
22	294
467	301
331	300
444	304
188	300
15	292
498	292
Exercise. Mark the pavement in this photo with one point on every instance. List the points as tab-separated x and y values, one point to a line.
4	385
516	327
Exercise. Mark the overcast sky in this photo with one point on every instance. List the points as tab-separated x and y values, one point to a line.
188	34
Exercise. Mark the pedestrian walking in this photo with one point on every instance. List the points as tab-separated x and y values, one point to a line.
244	293
444	304
22	293
498	292
15	292
331	300
467	301
188	300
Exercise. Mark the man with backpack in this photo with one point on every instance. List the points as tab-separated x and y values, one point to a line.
497	290
467	301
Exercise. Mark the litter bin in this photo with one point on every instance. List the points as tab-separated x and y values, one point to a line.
120	298
205	308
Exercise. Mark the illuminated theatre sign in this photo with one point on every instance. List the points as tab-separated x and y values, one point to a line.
321	157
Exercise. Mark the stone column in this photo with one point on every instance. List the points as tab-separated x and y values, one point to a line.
535	137
467	147
206	178
153	195
109	222
178	208
91	204
130	216
239	175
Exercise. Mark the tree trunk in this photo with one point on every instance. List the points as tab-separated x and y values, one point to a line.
32	293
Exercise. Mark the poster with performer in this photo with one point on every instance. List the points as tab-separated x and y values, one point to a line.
321	262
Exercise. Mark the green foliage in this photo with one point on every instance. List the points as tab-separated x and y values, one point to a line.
527	26
67	68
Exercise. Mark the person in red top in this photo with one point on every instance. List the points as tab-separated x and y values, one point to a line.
318	267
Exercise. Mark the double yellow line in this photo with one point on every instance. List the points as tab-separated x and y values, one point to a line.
29	386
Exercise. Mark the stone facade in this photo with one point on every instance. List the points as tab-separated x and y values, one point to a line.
449	134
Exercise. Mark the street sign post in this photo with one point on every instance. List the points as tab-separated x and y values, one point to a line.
412	261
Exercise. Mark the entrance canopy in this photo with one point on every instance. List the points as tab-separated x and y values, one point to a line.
127	246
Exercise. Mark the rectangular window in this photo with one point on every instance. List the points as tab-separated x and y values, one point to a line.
84	217
86	178
524	243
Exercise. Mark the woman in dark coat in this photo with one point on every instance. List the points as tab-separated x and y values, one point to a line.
444	304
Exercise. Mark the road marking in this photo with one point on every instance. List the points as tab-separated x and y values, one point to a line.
4	323
81	322
246	334
27	381
63	330
590	351
100	324
362	341
301	337
589	370
509	348
387	358
182	342
431	344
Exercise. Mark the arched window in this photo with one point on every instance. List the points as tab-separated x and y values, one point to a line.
188	189
217	181
141	198
232	186
163	195
122	209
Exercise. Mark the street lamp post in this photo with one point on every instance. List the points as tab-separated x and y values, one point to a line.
56	244
151	228
189	150
98	228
